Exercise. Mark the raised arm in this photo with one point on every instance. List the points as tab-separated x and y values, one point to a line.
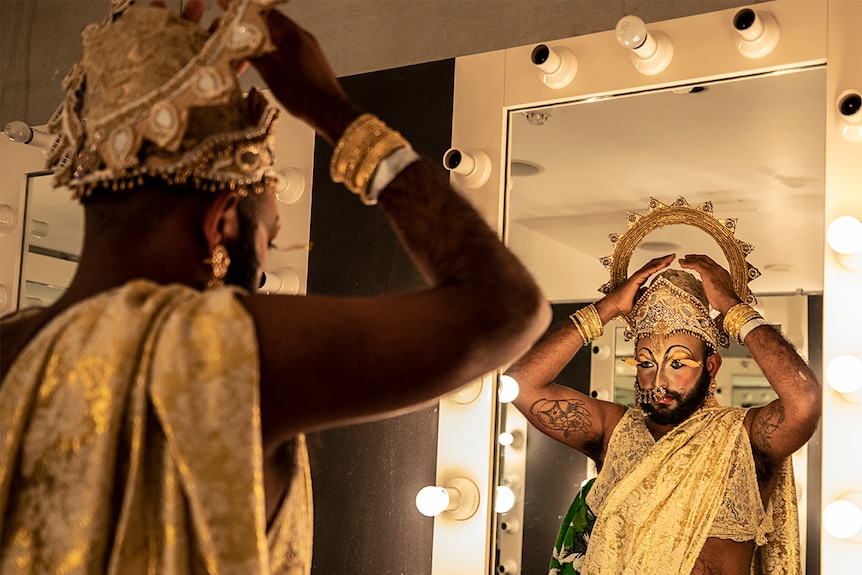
784	425
329	361
578	420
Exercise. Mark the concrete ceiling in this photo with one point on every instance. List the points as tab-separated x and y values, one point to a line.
40	39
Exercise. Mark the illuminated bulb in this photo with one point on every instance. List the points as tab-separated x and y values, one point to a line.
504	500
459	499
432	500
844	235
844	374
514	439
651	51
842	518
508	389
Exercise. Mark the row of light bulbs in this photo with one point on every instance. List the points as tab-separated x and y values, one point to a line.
842	518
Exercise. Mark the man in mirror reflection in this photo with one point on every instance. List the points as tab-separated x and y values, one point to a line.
684	484
152	418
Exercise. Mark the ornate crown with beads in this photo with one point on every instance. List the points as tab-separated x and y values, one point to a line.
675	302
156	96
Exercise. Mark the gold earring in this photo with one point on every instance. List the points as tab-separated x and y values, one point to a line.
713	386
219	261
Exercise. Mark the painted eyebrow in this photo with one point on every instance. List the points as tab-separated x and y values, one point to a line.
668	350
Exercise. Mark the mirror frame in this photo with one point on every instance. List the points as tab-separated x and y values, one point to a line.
490	85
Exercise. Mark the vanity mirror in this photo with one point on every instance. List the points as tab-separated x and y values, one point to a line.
577	168
616	160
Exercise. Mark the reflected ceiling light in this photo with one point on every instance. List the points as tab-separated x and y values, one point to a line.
21	133
850	115
508	389
844	375
842	518
504	499
459	499
758	33
651	51
557	66
524	168
844	236
290	185
472	168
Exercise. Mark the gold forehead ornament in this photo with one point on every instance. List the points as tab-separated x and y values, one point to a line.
672	304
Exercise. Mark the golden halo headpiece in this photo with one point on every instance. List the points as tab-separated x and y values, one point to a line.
658	216
156	96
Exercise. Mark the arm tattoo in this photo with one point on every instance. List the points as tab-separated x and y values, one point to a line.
768	421
566	415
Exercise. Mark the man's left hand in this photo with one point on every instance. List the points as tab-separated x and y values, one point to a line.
717	282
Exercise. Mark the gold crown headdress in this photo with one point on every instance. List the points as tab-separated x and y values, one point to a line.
674	302
156	96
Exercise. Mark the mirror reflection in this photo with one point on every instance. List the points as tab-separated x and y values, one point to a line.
753	147
54	234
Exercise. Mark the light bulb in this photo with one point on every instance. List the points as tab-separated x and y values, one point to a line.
844	374
844	235
458	500
508	389
651	51
842	518
432	500
290	185
504	500
505	439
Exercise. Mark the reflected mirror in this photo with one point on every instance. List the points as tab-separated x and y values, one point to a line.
53	236
752	146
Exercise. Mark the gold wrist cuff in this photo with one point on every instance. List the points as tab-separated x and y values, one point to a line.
738	316
366	142
588	323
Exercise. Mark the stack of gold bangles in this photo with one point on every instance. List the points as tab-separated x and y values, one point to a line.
588	323
366	142
740	320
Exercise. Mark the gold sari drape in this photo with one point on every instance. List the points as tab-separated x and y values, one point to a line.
131	443
655	519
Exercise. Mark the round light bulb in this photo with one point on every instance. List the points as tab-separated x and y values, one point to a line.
508	389
504	500
842	519
505	439
631	32
432	500
844	235
844	373
19	132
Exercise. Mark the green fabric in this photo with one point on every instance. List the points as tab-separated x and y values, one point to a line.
571	544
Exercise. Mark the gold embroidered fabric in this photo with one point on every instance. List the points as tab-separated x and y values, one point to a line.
658	501
131	443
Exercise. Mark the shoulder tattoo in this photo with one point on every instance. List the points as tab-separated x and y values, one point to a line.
565	415
768	421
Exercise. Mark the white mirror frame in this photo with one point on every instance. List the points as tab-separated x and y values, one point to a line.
489	85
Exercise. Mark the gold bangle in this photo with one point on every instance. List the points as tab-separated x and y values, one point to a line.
366	142
588	322
736	317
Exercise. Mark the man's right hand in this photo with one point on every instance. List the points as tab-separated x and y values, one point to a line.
622	300
302	80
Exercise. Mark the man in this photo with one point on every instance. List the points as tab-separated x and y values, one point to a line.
153	417
684	485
